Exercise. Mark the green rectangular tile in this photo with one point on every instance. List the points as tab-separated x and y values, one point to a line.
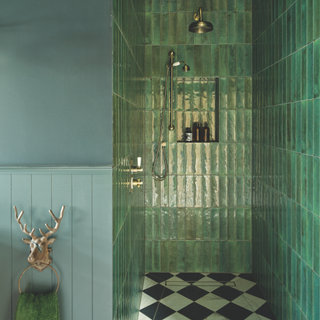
181	222
232	224
215	256
164	258
241	256
206	261
232	60
223	18
223	246
240	27
240	60
232	256
190	191
223	61
215	33
181	256
231	27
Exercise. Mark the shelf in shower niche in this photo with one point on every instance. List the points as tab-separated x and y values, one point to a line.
197	142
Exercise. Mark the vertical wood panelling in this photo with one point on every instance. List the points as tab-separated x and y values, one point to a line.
21	198
5	244
62	248
41	203
82	253
102	250
82	246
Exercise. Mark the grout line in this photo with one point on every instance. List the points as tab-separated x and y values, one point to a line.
127	43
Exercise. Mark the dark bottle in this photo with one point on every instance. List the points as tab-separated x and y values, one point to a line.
196	132
188	135
205	133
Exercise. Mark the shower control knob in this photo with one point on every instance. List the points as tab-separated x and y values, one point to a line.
138	167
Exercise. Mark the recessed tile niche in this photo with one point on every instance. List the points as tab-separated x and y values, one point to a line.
197	101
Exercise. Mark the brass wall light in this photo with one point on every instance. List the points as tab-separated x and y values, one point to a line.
200	26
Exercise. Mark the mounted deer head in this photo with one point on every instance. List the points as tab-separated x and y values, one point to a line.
39	251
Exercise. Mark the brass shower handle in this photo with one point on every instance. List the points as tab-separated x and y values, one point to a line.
136	183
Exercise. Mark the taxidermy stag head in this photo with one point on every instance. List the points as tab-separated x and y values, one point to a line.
39	251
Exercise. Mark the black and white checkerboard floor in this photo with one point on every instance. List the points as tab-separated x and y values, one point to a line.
199	296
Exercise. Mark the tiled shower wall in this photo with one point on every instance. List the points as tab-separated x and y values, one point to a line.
286	151
199	218
128	142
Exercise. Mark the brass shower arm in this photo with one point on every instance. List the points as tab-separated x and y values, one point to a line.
198	15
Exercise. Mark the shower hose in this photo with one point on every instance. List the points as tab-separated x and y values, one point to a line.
163	144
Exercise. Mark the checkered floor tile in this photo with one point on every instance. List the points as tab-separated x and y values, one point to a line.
200	296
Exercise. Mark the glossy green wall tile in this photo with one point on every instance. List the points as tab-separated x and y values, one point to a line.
209	184
129	108
285	155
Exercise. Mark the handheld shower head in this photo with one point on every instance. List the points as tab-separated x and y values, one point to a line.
185	67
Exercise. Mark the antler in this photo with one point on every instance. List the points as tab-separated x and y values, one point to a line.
24	229
56	227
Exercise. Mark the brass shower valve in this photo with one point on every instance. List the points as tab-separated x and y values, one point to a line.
136	183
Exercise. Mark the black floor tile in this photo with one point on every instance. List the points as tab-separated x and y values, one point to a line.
247	276
158	292
159	276
224	277
234	312
227	293
163	312
255	291
195	311
192	277
150	311
265	311
192	292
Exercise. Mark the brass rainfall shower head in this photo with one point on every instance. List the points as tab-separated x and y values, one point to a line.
200	26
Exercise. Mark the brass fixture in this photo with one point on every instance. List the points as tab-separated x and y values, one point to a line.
171	126
185	68
138	167
39	256
200	26
46	265
136	183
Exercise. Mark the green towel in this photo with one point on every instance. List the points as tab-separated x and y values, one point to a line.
37	307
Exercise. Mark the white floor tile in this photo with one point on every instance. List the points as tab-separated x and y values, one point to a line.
243	284
254	302
146	300
242	302
216	316
262	317
148	283
208	284
212	302
176	316
175	284
176	301
256	316
253	316
143	317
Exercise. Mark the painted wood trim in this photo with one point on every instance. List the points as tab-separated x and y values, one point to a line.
100	170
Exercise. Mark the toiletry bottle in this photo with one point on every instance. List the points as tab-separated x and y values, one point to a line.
206	132
196	132
201	133
188	135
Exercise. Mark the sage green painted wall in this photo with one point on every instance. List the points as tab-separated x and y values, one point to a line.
56	82
128	143
286	151
199	218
